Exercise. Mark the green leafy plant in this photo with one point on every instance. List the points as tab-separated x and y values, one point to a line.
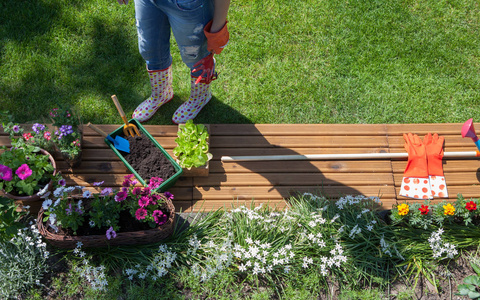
471	284
9	218
192	145
24	171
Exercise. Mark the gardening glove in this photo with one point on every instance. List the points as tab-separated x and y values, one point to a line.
207	66
415	183
434	148
216	41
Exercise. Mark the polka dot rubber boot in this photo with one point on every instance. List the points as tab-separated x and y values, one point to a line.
162	92
199	97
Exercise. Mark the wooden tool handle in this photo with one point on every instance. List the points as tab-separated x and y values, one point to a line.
119	107
98	130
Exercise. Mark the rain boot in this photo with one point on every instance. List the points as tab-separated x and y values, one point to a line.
162	92
200	95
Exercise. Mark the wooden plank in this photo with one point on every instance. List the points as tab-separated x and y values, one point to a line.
289	179
298	129
280	192
422	129
364	166
298	141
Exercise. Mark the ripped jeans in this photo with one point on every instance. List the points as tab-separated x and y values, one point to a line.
185	18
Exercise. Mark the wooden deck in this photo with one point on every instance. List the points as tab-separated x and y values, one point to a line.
241	183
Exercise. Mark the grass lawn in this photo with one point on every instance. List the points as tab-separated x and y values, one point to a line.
330	61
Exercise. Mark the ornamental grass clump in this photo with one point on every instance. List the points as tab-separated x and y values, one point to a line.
23	262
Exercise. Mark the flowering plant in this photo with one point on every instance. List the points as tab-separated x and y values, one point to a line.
25	170
40	135
68	134
426	214
103	210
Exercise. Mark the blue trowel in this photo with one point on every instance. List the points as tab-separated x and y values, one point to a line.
118	142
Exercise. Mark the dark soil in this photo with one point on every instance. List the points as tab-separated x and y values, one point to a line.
147	159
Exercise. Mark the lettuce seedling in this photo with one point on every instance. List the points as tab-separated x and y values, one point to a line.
192	145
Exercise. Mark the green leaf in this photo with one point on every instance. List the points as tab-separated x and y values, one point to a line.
476	268
464	289
474	295
473	279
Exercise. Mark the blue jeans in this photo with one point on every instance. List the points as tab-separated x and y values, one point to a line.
185	18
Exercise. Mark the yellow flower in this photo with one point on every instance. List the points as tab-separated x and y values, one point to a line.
448	210
403	209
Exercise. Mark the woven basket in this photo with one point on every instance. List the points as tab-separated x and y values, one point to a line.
141	237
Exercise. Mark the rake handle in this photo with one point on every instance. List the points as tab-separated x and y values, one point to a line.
98	130
119	108
340	156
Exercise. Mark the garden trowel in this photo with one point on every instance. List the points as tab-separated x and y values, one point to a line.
119	142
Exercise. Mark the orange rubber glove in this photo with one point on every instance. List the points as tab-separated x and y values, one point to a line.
434	148
216	41
415	183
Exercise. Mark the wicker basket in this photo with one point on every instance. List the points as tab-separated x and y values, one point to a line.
123	238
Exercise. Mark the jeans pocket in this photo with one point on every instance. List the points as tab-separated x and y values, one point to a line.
189	5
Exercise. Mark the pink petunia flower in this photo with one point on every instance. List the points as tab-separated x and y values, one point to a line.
141	213
23	172
6	173
144	201
137	190
155	182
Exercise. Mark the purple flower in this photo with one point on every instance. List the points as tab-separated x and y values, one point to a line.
141	213
6	173
23	172
128	180
62	182
106	191
120	196
16	128
159	217
111	234
144	201
69	209
37	127
98	183
155	182
145	192
168	195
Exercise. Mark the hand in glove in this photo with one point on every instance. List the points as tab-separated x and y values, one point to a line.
434	149
216	41
415	183
207	66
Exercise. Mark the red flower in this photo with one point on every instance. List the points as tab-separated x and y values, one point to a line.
471	206
424	209
27	136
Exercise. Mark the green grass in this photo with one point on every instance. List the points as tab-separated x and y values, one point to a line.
324	61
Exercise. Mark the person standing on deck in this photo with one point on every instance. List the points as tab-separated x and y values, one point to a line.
200	30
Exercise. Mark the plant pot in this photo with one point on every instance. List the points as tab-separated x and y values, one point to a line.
34	201
139	237
168	182
201	171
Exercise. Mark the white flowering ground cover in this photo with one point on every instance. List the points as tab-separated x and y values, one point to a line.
315	248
